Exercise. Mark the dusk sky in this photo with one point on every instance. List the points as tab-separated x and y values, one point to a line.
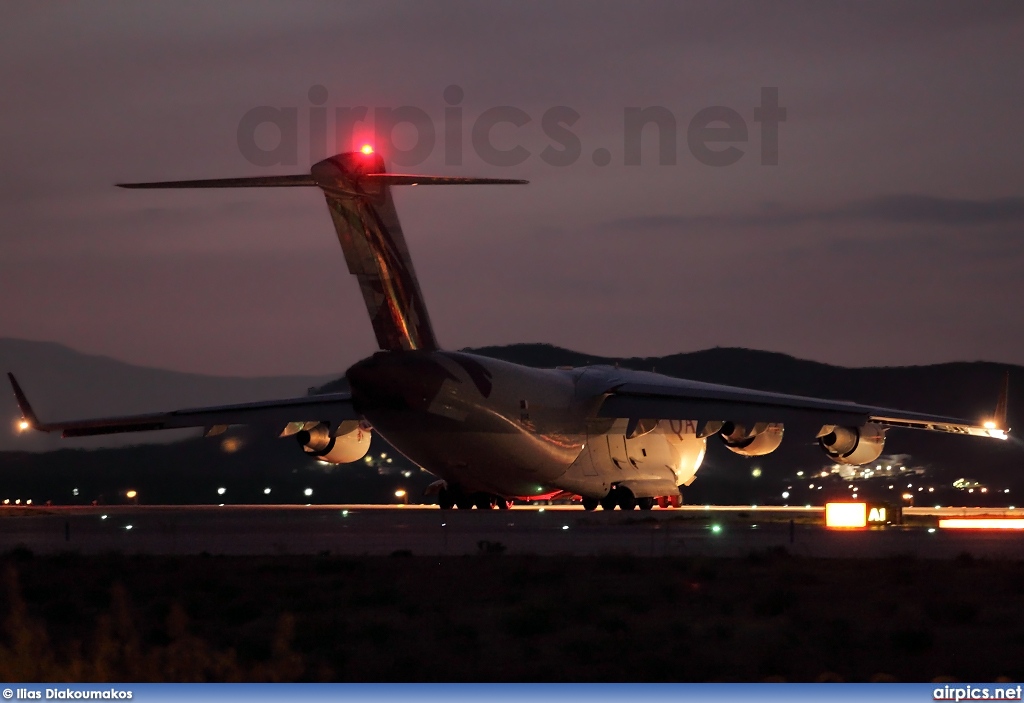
891	231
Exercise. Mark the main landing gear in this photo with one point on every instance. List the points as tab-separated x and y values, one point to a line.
623	499
448	498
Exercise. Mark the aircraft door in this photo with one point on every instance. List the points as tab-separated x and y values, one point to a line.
617	449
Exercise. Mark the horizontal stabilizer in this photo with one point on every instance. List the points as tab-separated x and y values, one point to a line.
357	188
303	180
300	180
399	179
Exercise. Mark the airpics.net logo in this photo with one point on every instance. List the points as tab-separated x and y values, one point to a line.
408	135
977	693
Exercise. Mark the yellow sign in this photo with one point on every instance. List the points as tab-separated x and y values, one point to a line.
846	514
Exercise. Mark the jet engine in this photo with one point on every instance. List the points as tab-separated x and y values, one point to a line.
853	446
348	443
763	438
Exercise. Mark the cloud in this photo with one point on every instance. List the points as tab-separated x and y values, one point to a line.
925	209
894	209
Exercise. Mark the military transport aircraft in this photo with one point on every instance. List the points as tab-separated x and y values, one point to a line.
492	430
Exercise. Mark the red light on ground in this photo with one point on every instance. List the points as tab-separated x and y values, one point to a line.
367	149
982	523
846	515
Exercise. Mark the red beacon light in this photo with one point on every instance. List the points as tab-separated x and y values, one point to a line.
367	149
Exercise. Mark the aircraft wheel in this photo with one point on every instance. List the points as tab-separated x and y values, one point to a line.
590	503
610	501
662	501
627	501
503	504
482	501
645	503
445	499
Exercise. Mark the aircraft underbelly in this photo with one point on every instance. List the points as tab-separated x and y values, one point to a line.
481	424
509	464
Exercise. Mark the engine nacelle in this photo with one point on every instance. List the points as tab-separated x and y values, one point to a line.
764	438
349	443
854	446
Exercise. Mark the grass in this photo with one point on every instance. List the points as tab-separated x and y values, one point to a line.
770	616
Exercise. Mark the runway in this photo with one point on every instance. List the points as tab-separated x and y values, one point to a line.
714	531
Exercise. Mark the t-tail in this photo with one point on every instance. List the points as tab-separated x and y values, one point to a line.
357	187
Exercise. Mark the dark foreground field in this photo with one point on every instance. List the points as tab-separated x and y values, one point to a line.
498	618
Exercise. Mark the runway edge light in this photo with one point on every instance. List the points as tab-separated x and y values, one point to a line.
982	523
846	515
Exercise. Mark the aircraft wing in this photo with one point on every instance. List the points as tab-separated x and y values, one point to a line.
330	407
679	399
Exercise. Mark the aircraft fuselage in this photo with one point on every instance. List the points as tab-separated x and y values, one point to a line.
496	427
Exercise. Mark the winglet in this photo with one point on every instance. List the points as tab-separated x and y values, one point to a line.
1000	415
27	414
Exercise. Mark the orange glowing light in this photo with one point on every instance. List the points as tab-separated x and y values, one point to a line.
846	514
982	523
367	149
23	425
131	494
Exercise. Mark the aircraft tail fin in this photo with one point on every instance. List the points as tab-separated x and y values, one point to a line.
357	187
